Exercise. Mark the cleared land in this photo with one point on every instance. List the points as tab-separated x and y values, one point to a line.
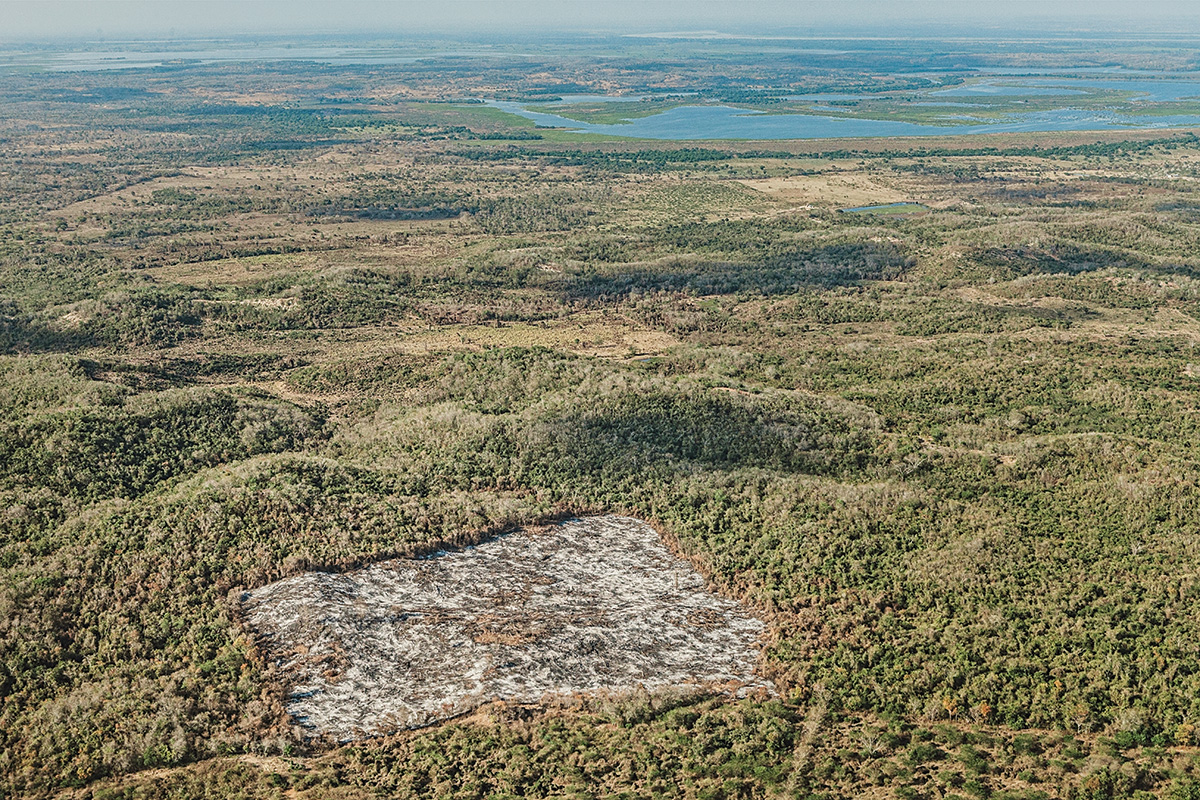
589	605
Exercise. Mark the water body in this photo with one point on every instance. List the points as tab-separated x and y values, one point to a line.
1023	89
1160	90
726	122
566	99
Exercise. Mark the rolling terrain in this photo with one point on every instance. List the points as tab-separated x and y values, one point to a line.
262	320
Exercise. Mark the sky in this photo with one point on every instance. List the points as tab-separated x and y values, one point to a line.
107	19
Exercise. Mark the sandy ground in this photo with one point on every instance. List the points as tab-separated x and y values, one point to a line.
589	605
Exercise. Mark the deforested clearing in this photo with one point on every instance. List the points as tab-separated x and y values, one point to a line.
589	605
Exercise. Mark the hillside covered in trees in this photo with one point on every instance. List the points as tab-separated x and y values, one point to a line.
949	456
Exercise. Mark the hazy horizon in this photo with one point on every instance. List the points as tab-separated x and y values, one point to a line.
36	20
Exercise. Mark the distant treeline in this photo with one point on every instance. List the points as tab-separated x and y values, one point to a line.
652	159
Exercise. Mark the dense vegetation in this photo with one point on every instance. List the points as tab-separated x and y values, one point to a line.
951	458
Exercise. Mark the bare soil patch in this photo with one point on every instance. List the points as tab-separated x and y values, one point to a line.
588	605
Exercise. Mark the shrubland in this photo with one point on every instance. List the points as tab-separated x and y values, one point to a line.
950	458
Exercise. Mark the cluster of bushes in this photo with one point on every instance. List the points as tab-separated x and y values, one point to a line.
784	271
127	448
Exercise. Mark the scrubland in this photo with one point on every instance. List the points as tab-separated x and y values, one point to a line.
949	458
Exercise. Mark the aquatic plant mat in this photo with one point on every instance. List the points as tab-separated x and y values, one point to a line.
588	605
